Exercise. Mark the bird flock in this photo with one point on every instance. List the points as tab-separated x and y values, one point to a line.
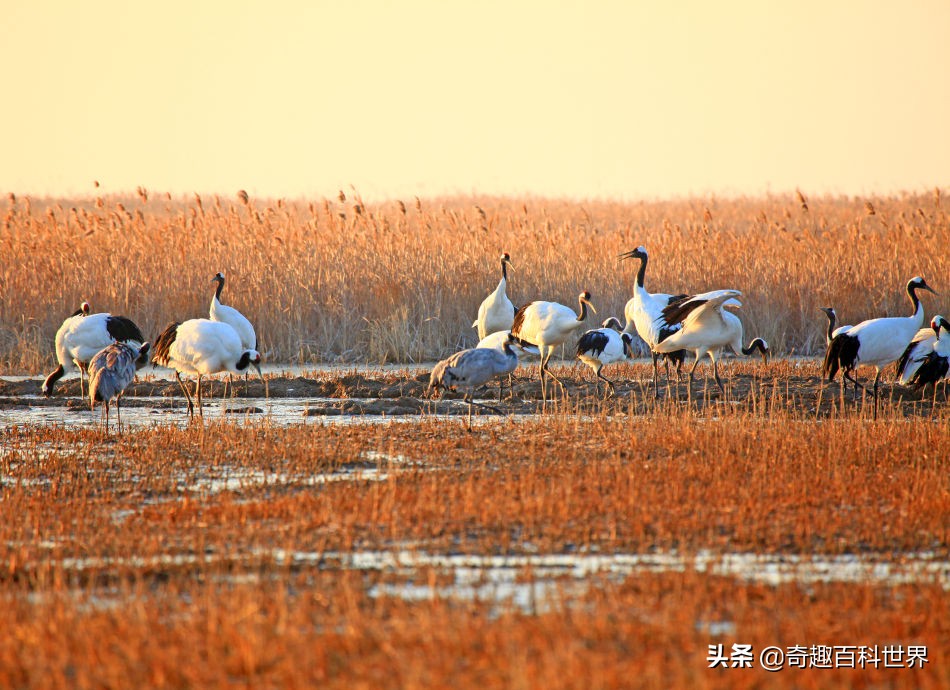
672	326
110	349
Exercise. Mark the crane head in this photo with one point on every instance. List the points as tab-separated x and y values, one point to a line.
141	358
506	259
627	344
218	277
918	283
638	253
85	308
584	298
939	322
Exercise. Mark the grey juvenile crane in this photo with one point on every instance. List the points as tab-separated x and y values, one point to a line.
111	371
470	369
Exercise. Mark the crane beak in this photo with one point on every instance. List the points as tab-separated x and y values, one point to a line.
626	255
591	306
257	368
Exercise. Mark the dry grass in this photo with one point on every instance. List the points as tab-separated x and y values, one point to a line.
232	612
341	280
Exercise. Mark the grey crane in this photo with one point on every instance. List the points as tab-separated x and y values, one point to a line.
111	370
472	368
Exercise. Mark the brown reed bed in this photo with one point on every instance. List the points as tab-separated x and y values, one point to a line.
124	564
343	280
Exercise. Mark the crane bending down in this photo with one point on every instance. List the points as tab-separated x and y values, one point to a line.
496	312
201	347
604	345
875	342
547	325
110	372
81	336
921	345
935	367
472	368
235	319
706	328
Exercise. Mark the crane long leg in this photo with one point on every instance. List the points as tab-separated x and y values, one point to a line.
82	392
716	373
877	376
471	403
610	383
544	365
847	375
118	413
656	374
544	395
184	389
201	410
692	370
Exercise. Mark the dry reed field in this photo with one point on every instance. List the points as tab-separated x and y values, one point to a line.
370	539
222	554
342	280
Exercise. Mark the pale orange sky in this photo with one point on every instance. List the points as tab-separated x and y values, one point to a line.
579	99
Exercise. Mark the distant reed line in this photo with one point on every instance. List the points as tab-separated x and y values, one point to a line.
340	280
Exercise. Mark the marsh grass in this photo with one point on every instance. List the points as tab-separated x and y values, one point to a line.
179	585
345	281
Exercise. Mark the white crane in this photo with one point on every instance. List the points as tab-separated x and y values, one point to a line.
232	317
875	342
81	336
472	368
644	312
921	345
935	367
497	340
110	372
832	320
200	347
706	328
547	325
604	345
496	312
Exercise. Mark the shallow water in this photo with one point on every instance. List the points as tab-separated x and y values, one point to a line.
537	582
278	411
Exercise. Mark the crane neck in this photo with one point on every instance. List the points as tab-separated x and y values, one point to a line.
915	301
217	290
583	315
831	324
504	270
642	272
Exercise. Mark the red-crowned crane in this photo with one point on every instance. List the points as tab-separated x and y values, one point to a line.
604	345
921	345
472	368
706	328
875	342
82	335
832	320
644	312
496	312
232	317
547	325
200	347
110	372
935	367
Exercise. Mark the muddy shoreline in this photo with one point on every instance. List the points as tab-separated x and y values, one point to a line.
794	387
